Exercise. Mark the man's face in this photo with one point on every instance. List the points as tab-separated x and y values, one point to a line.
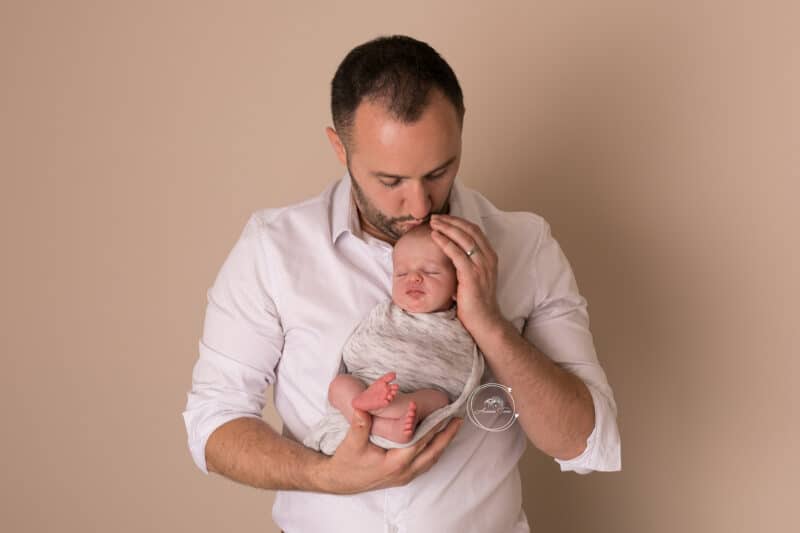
403	173
424	278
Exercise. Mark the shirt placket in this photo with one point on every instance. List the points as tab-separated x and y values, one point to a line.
396	499
395	510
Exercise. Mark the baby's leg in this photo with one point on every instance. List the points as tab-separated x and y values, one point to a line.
341	392
346	392
399	420
395	415
378	395
426	401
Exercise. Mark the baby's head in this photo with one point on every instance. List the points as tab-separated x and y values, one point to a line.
424	278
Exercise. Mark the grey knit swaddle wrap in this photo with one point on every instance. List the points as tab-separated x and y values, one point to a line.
425	350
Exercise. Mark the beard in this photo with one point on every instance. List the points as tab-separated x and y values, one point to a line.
391	227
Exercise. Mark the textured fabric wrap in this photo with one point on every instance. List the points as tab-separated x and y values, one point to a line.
425	350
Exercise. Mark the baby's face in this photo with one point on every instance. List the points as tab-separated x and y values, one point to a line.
424	278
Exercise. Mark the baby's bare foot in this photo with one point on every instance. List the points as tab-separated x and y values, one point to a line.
397	429
410	420
378	395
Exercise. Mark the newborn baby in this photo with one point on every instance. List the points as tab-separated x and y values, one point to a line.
416	339
424	281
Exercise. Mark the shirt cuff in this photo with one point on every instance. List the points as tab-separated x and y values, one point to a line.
198	440
602	452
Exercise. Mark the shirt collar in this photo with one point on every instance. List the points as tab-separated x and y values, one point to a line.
344	214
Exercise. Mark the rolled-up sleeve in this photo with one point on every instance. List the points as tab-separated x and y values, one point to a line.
559	327
240	347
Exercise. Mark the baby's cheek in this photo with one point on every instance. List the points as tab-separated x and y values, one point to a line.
452	286
396	292
443	292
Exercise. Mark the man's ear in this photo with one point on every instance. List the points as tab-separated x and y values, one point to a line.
337	145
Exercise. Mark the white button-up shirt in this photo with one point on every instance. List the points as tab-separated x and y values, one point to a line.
293	288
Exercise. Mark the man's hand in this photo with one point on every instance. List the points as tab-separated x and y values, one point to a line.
358	465
476	269
564	415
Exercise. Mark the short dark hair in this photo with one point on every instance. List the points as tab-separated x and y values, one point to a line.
397	71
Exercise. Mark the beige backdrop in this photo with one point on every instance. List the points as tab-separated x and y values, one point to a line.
660	141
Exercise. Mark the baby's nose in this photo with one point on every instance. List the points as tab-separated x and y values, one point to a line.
416	277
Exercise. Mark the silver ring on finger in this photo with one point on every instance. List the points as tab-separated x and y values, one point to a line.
472	251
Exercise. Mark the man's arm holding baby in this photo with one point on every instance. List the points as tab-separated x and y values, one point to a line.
561	414
239	352
249	451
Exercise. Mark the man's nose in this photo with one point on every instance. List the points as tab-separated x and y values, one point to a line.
418	201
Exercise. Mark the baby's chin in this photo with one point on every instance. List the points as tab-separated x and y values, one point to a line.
420	306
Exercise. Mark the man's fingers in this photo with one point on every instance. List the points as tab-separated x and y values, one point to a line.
442	438
463	239
361	420
359	428
454	252
408	463
436	439
429	454
463	233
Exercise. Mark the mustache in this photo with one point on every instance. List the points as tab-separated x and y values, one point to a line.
427	218
423	220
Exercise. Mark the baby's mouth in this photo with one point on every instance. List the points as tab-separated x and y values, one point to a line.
415	292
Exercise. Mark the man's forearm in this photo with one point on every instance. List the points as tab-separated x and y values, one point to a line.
249	451
555	407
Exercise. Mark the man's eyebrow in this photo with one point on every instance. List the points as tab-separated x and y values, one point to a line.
379	174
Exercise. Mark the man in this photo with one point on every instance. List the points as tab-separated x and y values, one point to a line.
301	277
